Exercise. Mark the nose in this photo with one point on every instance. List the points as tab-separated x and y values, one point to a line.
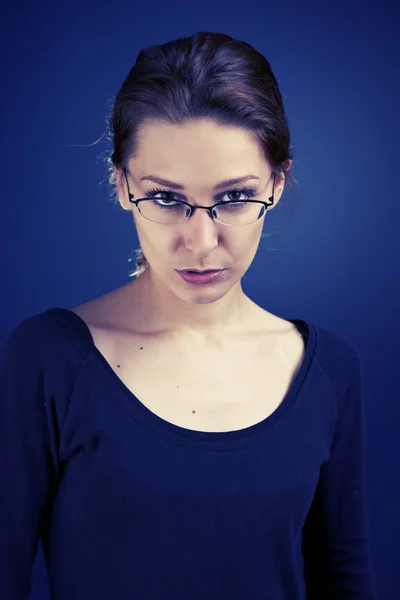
200	233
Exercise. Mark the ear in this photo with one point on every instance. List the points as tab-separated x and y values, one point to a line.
280	181
118	174
121	188
282	176
287	165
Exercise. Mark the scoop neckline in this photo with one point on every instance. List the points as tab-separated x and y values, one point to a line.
192	437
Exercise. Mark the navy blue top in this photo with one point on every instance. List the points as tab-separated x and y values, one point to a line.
131	506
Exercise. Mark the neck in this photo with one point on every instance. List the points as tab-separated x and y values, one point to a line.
161	310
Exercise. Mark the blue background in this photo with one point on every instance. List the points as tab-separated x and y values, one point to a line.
332	251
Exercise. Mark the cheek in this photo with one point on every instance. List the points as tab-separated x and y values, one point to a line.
244	242
155	241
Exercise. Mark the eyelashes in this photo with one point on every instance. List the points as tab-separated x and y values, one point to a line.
246	191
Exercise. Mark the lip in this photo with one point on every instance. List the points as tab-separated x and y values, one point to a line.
200	277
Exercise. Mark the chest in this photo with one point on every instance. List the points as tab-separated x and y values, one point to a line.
213	390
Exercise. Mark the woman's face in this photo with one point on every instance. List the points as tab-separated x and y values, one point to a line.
198	155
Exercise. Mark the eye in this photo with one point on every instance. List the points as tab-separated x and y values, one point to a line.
247	192
166	201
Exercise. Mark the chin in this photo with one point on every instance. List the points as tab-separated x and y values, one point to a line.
203	294
199	298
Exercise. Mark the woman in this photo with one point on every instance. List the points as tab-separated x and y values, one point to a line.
172	439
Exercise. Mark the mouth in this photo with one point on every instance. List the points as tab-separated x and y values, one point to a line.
198	270
197	276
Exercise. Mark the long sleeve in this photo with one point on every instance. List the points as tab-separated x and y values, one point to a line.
26	465
336	543
130	505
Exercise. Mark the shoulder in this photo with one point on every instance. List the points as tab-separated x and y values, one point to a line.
333	345
336	355
108	318
108	311
31	334
339	360
44	338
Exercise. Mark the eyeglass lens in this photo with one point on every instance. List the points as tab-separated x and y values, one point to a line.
229	213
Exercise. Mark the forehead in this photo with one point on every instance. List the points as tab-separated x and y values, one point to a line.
198	146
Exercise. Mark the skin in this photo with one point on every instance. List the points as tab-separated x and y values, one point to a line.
198	155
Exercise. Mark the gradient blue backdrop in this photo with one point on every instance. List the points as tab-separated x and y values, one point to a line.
334	254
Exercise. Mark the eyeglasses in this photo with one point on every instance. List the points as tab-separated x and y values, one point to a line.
232	213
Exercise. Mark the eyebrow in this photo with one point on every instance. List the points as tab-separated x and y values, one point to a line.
178	186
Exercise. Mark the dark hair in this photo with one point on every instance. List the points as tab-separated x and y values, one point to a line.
207	75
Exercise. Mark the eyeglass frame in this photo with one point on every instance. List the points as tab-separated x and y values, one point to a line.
194	207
